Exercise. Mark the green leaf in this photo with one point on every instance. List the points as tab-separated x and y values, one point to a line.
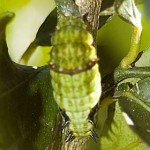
137	115
133	95
135	103
28	111
120	136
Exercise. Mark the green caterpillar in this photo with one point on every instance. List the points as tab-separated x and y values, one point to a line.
75	76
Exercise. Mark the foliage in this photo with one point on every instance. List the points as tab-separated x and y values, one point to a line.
28	111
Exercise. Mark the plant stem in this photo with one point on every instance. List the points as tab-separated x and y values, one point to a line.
134	47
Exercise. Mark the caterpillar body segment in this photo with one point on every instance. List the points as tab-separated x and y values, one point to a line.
75	76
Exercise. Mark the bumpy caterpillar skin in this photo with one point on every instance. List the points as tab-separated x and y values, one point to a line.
75	75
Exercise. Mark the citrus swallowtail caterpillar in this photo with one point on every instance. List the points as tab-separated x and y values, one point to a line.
75	76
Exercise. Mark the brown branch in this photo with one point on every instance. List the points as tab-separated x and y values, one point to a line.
91	10
76	144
